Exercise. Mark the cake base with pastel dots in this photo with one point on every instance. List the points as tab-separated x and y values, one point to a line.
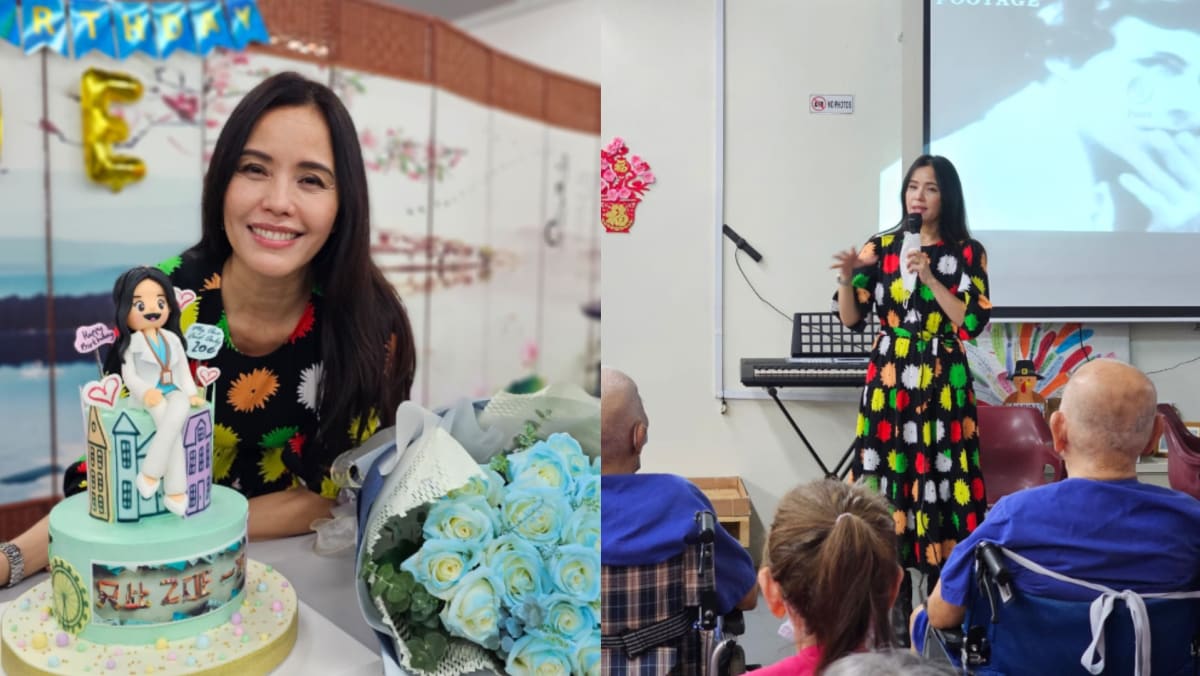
258	636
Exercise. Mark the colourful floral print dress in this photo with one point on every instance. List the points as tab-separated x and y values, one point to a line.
265	412
916	440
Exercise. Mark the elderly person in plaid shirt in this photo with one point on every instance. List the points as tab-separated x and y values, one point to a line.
646	519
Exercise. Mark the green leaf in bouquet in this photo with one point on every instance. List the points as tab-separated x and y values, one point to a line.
499	464
397	600
427	650
392	545
437	643
369	568
379	587
432	622
405	581
528	436
424	605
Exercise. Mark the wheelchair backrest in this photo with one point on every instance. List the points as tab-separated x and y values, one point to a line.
1032	634
638	596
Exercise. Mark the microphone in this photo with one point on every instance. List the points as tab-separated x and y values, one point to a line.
912	240
741	243
912	223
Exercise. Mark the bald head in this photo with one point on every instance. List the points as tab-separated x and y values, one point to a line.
1108	413
623	423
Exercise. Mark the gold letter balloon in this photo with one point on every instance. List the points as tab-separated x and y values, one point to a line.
102	129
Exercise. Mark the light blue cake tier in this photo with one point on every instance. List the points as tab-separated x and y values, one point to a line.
160	577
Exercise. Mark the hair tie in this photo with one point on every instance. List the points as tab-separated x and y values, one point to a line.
839	517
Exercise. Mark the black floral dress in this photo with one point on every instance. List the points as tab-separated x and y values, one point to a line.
916	440
265	415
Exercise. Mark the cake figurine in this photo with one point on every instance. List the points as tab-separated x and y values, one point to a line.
153	363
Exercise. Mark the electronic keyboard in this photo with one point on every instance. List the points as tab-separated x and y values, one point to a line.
805	372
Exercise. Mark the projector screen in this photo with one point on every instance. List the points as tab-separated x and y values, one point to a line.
1073	125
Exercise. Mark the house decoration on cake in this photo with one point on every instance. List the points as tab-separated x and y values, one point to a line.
117	440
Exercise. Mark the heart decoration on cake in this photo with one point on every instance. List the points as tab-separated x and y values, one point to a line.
184	297
103	392
207	375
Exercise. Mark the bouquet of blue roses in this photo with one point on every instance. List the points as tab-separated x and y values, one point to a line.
500	572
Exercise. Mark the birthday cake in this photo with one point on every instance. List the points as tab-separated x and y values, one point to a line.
148	568
133	587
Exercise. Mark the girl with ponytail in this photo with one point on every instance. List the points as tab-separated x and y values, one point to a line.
830	566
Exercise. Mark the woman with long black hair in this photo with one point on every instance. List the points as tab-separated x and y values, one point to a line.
916	440
318	350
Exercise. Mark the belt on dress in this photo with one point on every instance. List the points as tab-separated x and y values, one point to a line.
901	332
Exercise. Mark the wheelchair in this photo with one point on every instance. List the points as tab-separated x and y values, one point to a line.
1007	631
662	619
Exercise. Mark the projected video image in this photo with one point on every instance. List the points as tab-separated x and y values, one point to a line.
1070	115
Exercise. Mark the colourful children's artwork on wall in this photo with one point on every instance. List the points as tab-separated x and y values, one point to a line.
1028	363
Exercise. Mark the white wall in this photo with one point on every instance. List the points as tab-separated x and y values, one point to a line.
559	35
659	280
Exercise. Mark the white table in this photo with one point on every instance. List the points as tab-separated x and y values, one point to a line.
332	637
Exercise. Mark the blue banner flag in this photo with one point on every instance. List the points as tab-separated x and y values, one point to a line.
91	27
10	25
172	28
134	28
44	25
208	26
246	23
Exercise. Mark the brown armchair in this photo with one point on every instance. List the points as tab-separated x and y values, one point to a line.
1015	448
1183	452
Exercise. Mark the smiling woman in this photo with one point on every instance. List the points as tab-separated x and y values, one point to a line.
285	236
282	200
284	245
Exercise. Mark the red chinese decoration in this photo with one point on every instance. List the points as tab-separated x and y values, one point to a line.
623	181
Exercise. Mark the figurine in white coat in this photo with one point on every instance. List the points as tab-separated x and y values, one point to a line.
150	356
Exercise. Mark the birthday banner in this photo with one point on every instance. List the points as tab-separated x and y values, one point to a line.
118	29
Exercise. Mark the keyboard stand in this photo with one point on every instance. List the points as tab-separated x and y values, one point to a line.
838	472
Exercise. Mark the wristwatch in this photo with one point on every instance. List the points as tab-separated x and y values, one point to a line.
16	563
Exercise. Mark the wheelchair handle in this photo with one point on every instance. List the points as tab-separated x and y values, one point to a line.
993	561
995	570
707	526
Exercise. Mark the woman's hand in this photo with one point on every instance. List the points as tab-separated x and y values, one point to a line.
154	397
918	262
846	261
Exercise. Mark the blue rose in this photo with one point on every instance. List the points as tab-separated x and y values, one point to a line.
575	570
541	465
468	519
582	528
587	654
565	617
504	543
488	485
522	574
587	491
568	449
541	654
535	514
440	564
473	612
